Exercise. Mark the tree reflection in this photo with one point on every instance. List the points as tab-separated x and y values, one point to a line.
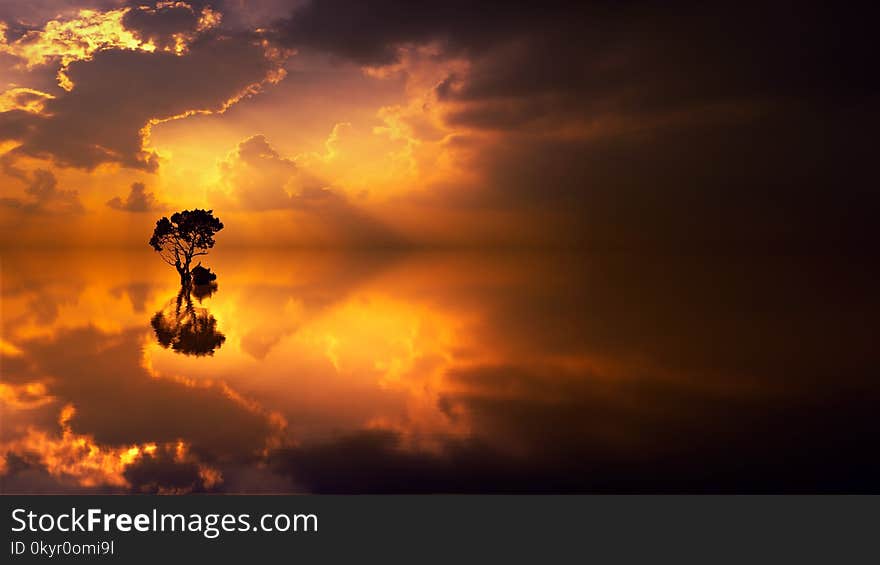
202	291
186	328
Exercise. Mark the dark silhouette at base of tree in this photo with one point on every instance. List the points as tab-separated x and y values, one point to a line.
202	275
187	234
186	328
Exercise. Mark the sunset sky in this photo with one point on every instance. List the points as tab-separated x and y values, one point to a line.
727	149
342	122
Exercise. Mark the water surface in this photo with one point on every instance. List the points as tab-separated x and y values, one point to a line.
437	372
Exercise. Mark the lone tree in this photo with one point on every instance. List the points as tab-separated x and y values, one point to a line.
186	235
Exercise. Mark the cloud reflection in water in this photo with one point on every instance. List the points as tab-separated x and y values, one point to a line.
439	373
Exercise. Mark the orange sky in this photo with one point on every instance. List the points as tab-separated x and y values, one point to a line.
741	130
337	122
323	150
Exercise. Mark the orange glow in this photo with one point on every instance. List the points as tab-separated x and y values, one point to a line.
74	40
27	99
378	155
79	459
371	358
25	396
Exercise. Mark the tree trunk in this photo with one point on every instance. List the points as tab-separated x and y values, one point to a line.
184	276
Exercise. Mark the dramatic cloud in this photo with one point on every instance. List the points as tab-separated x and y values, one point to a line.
35	12
699	124
615	124
119	83
371	33
26	100
121	93
138	200
170	27
636	55
165	27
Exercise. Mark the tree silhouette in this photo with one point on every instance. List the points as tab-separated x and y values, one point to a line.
187	234
186	328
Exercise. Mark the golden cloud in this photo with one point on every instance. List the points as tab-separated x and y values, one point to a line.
79	459
25	99
64	41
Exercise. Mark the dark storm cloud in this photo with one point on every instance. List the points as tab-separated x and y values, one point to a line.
650	52
700	123
642	58
160	24
370	33
138	200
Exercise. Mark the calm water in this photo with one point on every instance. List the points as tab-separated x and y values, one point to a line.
438	372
